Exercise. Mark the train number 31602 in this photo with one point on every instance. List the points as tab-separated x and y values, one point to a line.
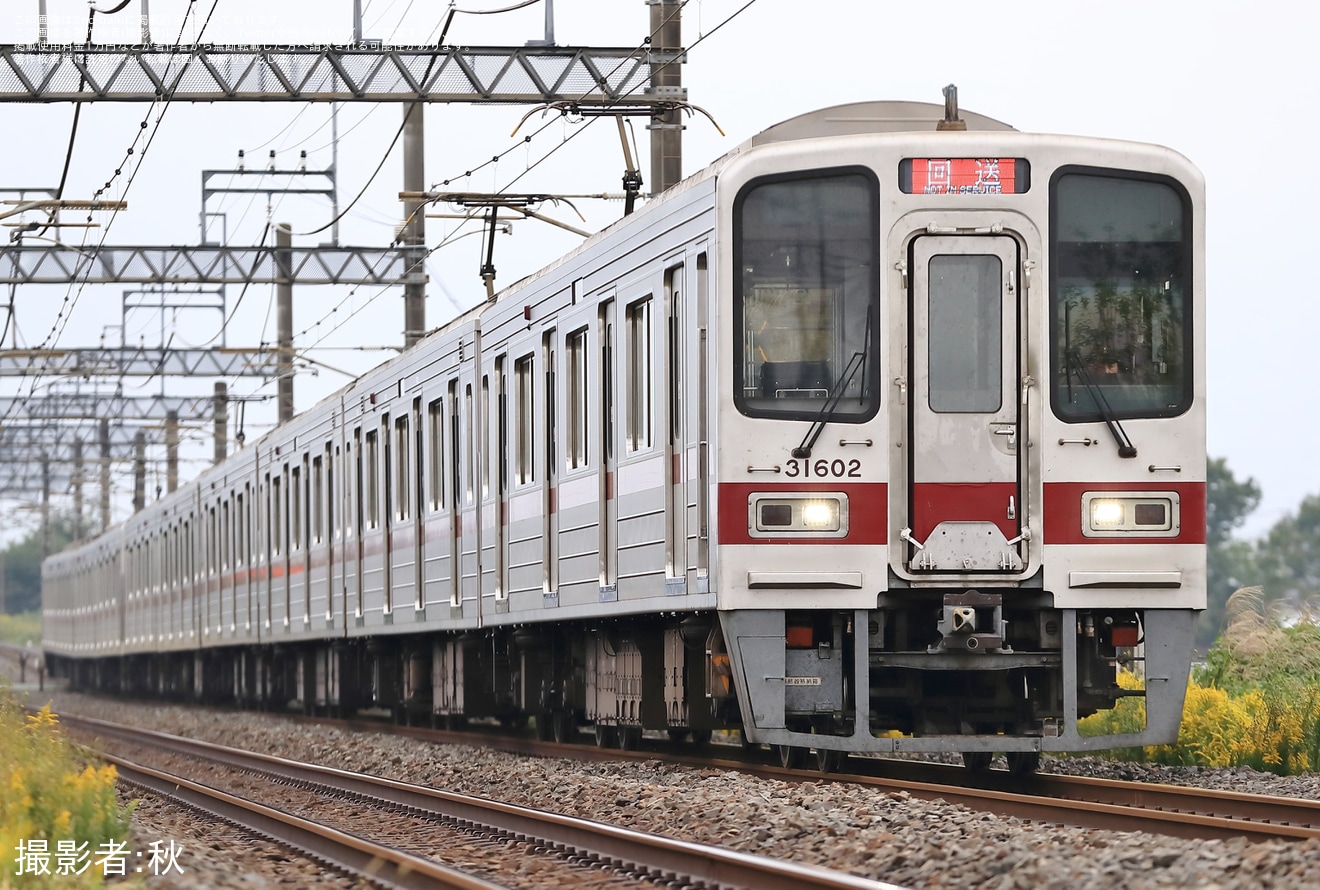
823	469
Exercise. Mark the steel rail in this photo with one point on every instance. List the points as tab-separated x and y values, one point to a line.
1089	802
376	862
622	846
1282	812
1110	804
1111	816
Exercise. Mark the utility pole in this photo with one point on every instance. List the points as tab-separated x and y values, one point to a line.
220	413
284	320
171	451
103	434
45	508
139	471
77	489
413	236
666	82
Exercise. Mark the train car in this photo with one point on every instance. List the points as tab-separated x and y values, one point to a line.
883	433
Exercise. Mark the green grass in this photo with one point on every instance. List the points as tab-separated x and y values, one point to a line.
1256	701
50	792
21	628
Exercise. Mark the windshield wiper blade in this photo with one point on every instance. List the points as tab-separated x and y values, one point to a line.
856	363
1125	446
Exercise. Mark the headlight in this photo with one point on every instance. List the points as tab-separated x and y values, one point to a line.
819	514
1130	514
822	515
1107	513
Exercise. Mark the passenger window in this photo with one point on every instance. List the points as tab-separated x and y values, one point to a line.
576	372
370	475
318	500
276	517
402	467
295	509
524	382
964	338
435	413
1120	288
638	375
805	251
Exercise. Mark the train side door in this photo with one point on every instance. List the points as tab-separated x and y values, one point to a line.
966	489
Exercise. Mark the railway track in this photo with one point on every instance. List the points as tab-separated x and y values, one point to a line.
1070	800
644	857
342	851
1117	805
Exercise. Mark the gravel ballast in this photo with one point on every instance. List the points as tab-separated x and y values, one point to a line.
886	836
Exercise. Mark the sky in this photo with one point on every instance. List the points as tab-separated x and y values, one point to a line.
1229	85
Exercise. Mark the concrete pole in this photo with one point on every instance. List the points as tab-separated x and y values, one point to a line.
104	438
77	489
284	319
171	451
220	412
139	471
667	128
413	236
45	507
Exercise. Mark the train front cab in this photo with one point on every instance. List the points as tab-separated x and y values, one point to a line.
962	466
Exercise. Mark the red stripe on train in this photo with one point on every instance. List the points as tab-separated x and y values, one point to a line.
936	502
1063	511
868	511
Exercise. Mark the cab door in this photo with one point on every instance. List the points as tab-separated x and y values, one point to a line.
965	492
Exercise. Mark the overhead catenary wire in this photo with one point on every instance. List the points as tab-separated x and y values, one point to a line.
458	230
30	375
132	176
468	173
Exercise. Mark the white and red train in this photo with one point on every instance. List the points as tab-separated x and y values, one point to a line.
885	432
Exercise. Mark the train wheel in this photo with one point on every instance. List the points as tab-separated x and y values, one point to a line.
1023	763
977	761
604	736
544	721
829	761
700	738
792	757
562	726
629	737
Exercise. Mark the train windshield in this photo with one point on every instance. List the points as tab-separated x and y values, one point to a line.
806	292
1120	296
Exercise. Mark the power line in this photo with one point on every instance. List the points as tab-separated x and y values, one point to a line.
71	298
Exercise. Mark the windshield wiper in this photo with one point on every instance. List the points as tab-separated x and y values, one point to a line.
856	363
1125	446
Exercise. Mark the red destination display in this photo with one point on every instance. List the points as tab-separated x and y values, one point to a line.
962	176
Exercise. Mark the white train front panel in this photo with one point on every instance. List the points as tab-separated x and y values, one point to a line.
962	443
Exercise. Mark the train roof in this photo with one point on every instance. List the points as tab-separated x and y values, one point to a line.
850	119
857	118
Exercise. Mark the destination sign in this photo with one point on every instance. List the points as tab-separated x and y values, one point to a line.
963	176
